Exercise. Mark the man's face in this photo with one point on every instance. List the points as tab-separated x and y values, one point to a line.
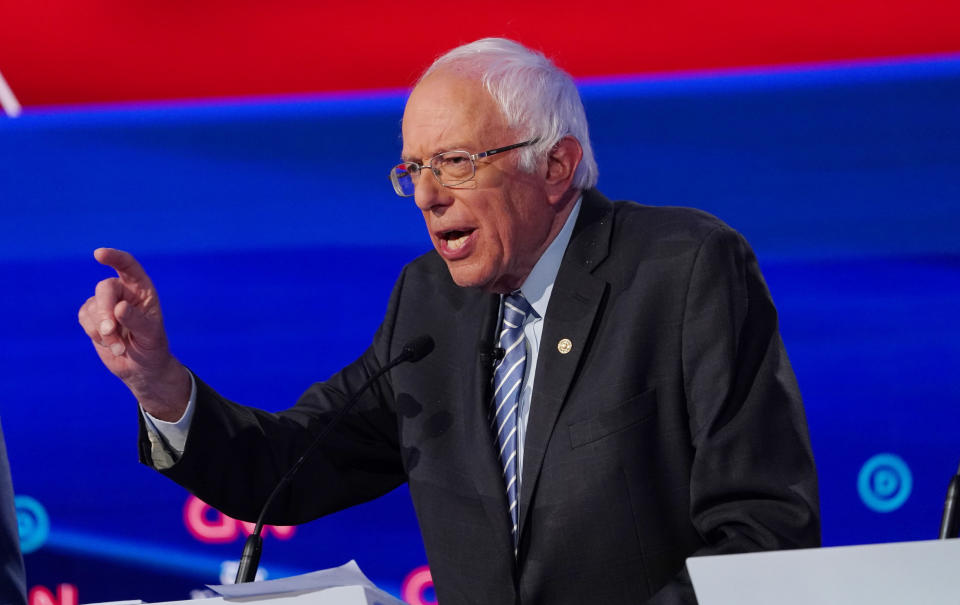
490	231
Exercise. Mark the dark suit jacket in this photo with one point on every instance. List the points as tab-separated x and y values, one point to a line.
673	427
13	590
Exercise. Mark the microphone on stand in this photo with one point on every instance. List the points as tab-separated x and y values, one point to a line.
413	351
489	354
950	522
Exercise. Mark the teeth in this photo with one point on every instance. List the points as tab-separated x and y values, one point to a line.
455	244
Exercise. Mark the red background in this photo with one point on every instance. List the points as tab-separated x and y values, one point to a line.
64	51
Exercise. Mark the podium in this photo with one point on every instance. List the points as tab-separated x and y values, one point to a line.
876	574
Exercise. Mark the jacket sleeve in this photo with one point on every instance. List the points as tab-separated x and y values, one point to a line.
753	481
12	582
235	455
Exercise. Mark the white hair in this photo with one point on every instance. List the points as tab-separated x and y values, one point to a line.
537	98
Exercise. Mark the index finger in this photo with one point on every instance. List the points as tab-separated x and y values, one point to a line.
124	264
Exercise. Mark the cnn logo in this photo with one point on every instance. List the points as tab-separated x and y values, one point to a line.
209	525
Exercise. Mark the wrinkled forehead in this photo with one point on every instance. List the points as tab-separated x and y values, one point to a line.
450	110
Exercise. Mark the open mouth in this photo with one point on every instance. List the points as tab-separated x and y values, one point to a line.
455	238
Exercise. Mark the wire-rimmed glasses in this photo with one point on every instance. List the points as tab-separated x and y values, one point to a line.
451	168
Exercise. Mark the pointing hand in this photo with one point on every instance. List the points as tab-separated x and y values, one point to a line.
124	322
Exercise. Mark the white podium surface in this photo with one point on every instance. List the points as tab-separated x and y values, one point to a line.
878	574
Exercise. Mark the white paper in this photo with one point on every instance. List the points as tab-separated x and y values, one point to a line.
348	574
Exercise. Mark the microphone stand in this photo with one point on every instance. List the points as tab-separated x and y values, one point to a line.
950	523
413	351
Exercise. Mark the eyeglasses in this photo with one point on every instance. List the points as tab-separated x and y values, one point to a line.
451	168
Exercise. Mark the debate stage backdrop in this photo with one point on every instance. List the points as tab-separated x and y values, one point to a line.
260	220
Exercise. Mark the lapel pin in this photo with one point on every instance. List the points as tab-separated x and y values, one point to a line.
564	346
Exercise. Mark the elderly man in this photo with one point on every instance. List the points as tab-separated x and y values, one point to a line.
609	393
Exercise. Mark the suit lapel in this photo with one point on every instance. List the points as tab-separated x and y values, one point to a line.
576	298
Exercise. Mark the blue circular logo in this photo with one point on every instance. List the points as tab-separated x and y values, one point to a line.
32	522
885	483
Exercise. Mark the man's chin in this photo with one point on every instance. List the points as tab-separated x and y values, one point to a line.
467	276
466	281
481	281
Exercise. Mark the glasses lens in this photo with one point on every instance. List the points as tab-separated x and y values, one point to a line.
401	176
454	167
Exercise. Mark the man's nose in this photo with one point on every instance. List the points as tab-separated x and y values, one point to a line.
429	194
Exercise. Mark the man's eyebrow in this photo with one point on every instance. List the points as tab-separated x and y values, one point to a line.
435	152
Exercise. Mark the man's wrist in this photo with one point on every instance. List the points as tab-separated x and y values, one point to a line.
171	435
166	398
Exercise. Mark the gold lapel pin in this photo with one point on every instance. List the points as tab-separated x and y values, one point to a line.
564	346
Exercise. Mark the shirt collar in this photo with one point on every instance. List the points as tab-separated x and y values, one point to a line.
539	284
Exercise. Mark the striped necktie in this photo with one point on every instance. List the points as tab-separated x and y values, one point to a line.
507	379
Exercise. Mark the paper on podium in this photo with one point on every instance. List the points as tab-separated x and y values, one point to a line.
348	574
336	595
337	586
875	574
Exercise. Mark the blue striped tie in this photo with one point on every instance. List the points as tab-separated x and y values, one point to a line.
507	380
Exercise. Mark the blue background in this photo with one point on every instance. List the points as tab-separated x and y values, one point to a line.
256	219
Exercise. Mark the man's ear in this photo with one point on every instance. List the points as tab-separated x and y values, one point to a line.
562	162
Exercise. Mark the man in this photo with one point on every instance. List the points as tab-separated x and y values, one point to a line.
13	589
608	395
